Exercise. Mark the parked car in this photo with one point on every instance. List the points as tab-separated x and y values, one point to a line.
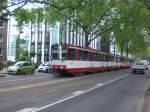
22	67
44	67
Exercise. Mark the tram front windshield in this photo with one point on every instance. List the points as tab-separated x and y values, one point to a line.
58	52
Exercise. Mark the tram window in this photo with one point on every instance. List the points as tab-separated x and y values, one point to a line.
64	56
97	56
101	56
71	54
83	55
104	57
55	56
55	52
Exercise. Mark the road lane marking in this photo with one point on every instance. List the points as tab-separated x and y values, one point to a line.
27	110
100	84
77	92
75	95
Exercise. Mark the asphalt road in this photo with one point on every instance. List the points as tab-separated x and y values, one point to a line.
115	91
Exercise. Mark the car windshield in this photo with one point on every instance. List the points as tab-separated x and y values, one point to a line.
18	64
44	64
139	63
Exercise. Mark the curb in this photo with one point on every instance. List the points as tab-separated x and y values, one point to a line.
2	75
146	105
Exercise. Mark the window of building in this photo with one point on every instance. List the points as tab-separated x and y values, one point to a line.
1	51
1	38
1	24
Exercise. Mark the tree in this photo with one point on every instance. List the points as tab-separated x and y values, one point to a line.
126	18
93	17
23	56
18	48
8	7
2	6
131	22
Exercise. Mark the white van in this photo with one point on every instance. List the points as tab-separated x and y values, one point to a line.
138	67
145	63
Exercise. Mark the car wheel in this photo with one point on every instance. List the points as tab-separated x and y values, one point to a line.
18	72
32	72
133	72
143	72
46	70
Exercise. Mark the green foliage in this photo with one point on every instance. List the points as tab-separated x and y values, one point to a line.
23	56
2	65
32	51
17	48
24	16
3	4
9	63
128	19
148	91
132	21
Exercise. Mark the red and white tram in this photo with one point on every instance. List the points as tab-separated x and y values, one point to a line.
74	60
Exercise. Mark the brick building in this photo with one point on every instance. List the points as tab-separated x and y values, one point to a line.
3	39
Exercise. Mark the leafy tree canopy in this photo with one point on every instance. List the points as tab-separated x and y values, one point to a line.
128	19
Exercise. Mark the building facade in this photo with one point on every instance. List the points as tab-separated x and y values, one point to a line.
40	36
3	39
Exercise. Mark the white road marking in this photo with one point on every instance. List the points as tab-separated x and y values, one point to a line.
100	84
68	98
77	92
27	110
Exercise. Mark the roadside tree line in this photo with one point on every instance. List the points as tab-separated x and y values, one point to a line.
125	23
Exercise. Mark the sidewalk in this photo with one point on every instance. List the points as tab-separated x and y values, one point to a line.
146	105
3	72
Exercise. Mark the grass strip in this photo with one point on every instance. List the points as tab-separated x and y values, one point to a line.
148	91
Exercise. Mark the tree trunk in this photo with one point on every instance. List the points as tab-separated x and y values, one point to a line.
86	40
121	52
105	45
127	52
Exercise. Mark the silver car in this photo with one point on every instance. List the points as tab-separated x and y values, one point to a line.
43	67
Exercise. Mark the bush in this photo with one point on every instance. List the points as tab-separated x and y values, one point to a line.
148	91
9	63
2	65
5	64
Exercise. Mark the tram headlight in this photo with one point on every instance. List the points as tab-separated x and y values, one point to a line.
51	66
61	67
